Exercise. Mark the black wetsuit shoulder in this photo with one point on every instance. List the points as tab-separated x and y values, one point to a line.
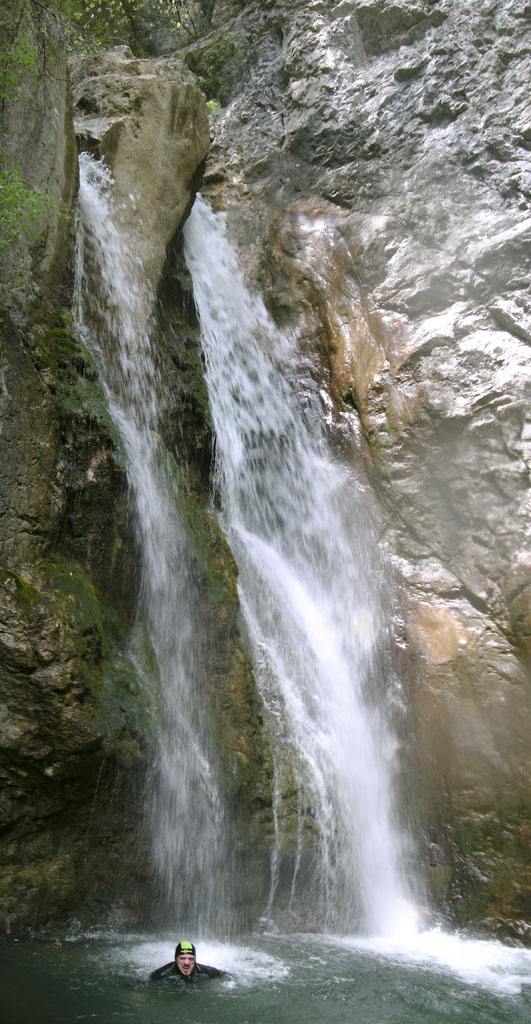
163	972
200	973
209	972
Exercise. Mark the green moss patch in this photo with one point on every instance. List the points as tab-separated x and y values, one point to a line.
219	67
213	554
100	644
189	363
63	578
25	595
78	385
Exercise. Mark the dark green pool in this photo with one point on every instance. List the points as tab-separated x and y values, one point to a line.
297	979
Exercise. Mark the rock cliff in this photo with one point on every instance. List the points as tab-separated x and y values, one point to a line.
372	157
149	122
374	160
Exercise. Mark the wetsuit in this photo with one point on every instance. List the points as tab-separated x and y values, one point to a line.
201	972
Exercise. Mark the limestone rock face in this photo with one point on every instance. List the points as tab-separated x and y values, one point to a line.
374	162
37	141
149	122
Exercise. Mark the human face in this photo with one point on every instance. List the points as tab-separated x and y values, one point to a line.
186	964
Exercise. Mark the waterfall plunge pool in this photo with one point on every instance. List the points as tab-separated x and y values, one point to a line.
281	979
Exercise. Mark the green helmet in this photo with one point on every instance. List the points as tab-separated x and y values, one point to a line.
184	948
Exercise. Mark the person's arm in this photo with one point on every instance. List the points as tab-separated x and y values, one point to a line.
162	972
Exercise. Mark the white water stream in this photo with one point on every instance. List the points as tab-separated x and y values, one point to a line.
297	523
112	307
309	588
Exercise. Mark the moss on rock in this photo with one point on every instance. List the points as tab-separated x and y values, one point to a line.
76	382
219	66
491	879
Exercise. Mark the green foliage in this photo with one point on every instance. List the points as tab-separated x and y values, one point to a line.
21	207
218	67
99	24
24	209
232	12
18	64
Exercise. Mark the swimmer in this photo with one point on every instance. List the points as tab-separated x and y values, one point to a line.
184	967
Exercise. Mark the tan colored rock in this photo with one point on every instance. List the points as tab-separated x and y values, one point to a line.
518	590
149	122
437	633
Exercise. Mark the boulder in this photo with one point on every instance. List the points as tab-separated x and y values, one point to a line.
148	121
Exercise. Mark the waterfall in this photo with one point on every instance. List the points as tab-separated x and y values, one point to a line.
311	593
113	306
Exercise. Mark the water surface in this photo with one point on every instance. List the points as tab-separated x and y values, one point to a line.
299	979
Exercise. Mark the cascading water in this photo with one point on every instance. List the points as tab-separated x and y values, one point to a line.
308	588
294	518
113	308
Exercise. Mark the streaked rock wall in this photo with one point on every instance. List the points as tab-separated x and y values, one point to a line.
374	162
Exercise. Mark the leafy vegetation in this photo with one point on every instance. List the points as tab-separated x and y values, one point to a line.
18	62
218	66
24	209
21	207
99	24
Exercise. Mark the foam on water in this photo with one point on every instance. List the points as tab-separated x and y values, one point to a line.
486	963
251	965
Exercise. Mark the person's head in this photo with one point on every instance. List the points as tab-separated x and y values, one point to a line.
185	958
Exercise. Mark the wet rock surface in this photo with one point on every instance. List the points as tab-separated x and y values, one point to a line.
66	594
374	163
37	139
55	755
